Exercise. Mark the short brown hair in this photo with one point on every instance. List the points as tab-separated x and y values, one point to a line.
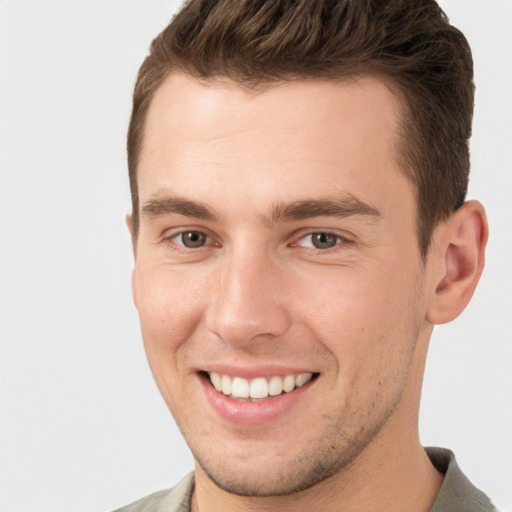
410	44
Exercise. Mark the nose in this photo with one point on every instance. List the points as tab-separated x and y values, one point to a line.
248	300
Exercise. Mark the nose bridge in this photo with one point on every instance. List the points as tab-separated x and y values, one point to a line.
247	302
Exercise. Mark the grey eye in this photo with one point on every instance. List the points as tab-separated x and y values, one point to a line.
324	240
193	239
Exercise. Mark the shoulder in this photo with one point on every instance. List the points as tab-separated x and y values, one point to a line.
176	499
457	493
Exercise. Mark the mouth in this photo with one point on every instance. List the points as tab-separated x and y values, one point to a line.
258	388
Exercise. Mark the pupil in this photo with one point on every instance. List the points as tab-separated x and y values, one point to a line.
193	239
324	240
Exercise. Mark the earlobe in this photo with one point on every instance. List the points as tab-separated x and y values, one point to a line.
460	248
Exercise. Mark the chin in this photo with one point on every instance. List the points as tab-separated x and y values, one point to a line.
269	476
274	483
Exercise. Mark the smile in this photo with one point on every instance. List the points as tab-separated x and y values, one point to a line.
258	388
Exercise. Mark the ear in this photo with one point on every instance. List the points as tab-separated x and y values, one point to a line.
459	248
129	225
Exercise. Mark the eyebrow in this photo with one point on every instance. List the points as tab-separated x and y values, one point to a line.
341	207
345	206
168	204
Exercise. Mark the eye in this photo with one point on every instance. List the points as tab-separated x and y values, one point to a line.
191	239
320	240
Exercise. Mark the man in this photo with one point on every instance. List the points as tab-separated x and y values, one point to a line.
298	173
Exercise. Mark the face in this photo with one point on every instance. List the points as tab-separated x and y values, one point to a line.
278	277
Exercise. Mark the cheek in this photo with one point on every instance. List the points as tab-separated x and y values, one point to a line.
367	320
170	310
170	306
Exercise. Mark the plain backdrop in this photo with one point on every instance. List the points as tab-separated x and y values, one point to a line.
82	426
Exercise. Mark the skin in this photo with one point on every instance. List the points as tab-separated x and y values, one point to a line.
258	293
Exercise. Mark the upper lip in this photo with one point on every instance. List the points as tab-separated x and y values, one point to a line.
251	372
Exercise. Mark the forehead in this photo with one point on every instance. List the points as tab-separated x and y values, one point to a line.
283	141
220	107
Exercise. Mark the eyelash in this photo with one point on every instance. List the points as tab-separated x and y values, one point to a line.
172	239
340	240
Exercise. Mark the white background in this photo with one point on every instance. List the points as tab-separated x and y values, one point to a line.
82	425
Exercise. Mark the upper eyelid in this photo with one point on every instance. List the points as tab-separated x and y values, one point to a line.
175	235
342	239
169	236
173	232
302	233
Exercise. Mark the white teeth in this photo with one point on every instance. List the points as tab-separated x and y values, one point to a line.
302	379
258	388
288	383
275	386
216	381
239	388
226	384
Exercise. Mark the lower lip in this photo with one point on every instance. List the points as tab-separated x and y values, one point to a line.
252	413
